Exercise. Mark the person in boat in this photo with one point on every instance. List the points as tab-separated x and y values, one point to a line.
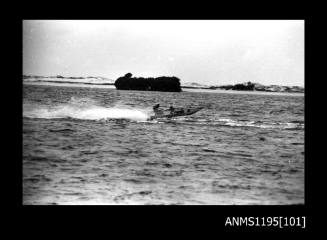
176	111
171	109
156	109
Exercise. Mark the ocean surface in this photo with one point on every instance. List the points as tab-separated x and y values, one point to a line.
85	145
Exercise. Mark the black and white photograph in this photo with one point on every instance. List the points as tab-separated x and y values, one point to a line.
163	112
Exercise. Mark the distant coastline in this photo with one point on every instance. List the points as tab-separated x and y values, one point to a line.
87	83
71	80
247	86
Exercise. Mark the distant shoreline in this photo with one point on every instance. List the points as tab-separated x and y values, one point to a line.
200	90
87	83
203	90
101	81
252	87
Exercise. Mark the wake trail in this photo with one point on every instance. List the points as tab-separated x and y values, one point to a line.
85	109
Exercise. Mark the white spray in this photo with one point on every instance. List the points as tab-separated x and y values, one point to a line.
87	110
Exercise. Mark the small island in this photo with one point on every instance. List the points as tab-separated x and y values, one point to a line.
164	84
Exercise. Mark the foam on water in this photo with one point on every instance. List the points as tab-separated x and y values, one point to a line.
259	124
239	123
86	109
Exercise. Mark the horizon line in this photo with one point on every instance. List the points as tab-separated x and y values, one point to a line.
210	85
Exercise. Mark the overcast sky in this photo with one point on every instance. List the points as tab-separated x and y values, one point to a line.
207	52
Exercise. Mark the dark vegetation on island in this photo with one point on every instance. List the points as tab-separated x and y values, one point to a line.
164	84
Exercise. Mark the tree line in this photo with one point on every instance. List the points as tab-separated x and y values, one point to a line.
166	84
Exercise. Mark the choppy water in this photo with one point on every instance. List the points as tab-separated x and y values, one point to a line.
96	146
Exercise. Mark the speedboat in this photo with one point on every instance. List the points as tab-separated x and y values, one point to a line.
175	113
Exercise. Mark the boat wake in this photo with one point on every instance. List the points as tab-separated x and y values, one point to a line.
86	109
226	122
89	109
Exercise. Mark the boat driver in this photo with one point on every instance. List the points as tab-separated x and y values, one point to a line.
156	109
171	109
